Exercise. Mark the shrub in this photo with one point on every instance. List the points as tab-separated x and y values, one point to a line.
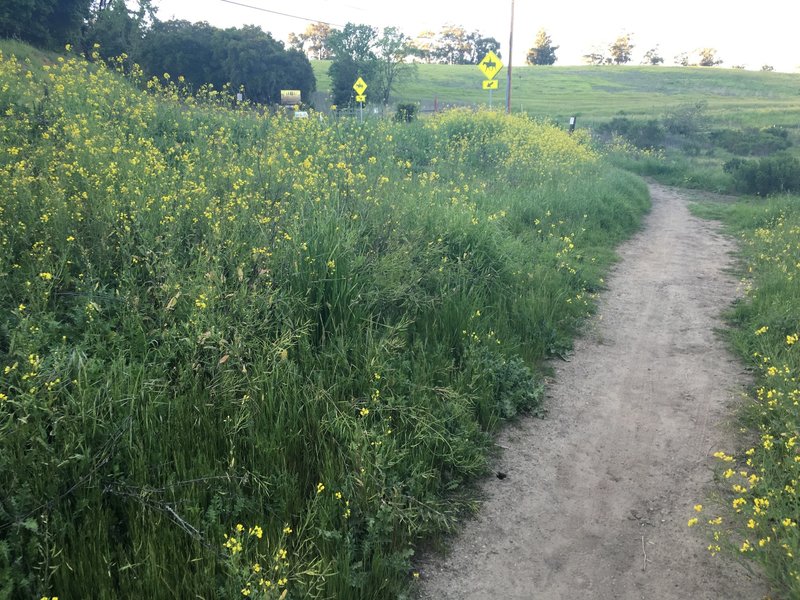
649	134
752	141
772	174
406	112
686	119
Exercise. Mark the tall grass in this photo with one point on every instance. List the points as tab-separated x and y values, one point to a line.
245	355
760	519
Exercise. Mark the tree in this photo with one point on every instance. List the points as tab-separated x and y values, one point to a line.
652	57
543	52
44	23
353	50
621	50
708	58
767	68
246	57
116	28
595	57
479	46
393	47
424	45
682	59
452	46
313	41
182	48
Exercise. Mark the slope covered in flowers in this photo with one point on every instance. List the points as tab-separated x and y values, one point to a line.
243	355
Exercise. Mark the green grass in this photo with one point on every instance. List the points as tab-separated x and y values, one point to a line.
243	352
595	94
759	493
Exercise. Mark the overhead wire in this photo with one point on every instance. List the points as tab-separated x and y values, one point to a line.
282	14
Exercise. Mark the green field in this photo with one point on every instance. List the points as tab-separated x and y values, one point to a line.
735	97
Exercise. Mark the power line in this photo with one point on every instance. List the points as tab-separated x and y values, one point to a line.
275	12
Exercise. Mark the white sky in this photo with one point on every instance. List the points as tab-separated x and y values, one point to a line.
744	32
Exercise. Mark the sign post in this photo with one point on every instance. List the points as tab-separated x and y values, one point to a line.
360	86
490	66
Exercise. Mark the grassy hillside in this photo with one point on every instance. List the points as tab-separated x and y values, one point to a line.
735	97
248	356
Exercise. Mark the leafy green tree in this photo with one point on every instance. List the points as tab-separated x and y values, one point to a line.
250	58
480	46
44	23
244	57
543	52
116	28
353	49
182	48
621	50
393	47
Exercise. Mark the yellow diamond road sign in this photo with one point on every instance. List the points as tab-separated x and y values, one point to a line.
490	65
491	84
360	86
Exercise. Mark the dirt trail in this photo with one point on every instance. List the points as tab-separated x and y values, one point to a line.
611	475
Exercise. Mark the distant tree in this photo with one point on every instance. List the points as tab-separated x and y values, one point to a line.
356	42
253	59
652	57
682	59
44	23
423	46
595	57
353	51
480	46
245	57
767	68
313	41
739	67
621	50
392	49
543	52
708	58
453	46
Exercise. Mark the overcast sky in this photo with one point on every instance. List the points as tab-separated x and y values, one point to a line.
744	32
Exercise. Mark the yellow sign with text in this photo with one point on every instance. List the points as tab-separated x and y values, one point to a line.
361	98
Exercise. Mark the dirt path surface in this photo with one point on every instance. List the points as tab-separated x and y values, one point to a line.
598	494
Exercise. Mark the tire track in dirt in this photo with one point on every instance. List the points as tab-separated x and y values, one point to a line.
598	494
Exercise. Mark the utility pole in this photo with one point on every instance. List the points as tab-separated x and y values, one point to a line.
510	54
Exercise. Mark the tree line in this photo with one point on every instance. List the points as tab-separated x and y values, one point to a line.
247	58
618	52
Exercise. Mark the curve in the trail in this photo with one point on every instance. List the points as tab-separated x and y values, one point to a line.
598	495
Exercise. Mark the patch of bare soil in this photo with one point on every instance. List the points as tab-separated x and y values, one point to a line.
597	495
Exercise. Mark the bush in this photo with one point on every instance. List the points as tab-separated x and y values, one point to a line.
406	113
769	175
752	142
649	134
686	119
